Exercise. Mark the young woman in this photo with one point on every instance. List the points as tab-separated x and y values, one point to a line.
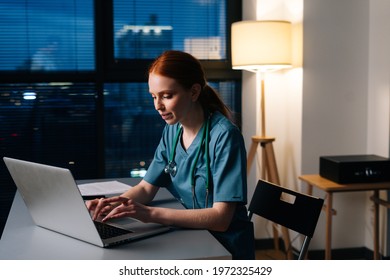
201	160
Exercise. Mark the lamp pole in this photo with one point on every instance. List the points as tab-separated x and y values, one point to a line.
260	81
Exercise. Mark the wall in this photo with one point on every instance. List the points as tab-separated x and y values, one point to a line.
379	98
342	106
335	101
345	101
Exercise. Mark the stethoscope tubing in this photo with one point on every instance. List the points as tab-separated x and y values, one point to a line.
171	167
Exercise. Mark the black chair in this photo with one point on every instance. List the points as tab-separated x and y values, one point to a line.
293	210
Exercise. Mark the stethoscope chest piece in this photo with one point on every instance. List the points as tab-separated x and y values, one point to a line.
171	168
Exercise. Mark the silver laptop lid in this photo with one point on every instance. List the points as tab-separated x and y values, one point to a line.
55	202
53	199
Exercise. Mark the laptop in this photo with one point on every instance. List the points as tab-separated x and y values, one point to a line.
55	203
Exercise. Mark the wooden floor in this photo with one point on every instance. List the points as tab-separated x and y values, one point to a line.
270	254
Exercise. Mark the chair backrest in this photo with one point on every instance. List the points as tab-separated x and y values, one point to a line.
291	209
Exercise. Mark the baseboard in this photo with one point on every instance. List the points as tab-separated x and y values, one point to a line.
360	253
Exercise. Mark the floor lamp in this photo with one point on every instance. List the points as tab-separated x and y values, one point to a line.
261	47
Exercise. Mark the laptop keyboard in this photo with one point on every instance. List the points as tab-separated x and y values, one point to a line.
108	231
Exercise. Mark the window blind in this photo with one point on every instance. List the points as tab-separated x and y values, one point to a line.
143	29
46	35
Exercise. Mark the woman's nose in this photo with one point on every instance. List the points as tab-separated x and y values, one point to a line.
158	104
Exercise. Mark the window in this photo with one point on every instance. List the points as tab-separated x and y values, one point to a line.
73	89
143	29
44	35
52	123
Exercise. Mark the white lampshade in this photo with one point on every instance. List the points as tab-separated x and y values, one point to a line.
261	45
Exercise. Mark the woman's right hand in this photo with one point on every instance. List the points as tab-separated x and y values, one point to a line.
99	207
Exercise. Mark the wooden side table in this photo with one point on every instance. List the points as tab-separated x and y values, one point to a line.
330	187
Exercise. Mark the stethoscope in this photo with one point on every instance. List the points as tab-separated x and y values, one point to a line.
171	167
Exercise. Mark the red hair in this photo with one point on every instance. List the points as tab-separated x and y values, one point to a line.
186	70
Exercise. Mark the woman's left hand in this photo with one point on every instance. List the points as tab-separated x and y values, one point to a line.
127	208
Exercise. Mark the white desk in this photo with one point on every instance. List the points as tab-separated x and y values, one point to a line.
22	239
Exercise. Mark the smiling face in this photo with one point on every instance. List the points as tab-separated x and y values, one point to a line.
173	102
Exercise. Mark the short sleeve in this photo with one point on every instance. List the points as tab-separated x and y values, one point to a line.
228	164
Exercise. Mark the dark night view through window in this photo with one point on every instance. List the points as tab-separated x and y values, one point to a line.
144	29
65	97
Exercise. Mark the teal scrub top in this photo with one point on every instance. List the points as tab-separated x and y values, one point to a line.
227	183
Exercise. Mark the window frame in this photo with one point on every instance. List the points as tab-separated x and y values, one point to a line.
114	70
107	71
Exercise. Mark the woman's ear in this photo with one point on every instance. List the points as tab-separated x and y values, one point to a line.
195	92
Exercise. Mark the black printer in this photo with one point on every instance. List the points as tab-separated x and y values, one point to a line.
345	169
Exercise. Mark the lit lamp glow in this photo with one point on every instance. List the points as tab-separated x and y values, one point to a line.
261	46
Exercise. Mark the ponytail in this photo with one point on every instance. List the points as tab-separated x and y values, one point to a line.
211	101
